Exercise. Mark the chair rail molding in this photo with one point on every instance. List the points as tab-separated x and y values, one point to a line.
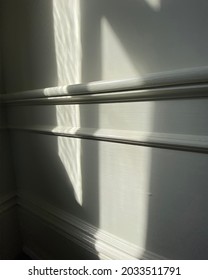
190	143
189	85
180	84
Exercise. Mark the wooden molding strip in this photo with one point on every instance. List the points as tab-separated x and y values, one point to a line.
84	234
191	143
181	92
186	83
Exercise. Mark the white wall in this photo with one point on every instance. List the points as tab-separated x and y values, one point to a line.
148	196
137	37
136	200
46	43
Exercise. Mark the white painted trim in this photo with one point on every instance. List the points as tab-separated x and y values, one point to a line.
193	143
7	201
96	241
157	93
188	76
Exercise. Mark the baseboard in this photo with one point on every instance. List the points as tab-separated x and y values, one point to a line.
7	202
85	235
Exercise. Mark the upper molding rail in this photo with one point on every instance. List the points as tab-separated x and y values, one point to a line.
164	85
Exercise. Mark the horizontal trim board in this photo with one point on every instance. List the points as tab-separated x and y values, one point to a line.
165	93
7	202
188	76
191	143
85	235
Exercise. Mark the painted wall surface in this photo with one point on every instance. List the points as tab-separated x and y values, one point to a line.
10	241
153	198
150	197
136	37
6	168
56	42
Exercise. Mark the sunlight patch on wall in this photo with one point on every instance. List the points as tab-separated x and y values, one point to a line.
116	63
69	149
154	4
124	173
124	170
67	34
66	16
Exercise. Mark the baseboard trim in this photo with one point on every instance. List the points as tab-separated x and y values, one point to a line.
7	202
92	239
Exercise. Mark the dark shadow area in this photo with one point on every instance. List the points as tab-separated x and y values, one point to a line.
91	40
29	62
23	256
90	165
10	238
28	53
177	227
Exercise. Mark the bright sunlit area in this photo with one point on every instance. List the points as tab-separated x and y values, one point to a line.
122	179
66	16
